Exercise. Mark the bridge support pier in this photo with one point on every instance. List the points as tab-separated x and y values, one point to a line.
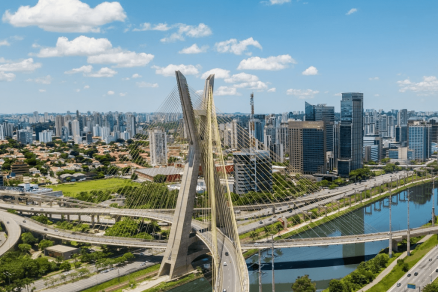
16	199
98	218
79	217
39	203
92	219
51	203
68	217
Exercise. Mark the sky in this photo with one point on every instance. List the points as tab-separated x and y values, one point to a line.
90	55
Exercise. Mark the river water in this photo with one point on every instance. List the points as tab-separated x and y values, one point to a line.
334	262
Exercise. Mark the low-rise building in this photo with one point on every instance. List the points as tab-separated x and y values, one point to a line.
65	252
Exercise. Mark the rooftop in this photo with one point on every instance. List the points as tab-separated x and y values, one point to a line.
170	170
61	248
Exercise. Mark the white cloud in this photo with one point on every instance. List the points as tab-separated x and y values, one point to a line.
428	86
146	84
110	92
199	92
148	26
303	94
270	63
123	94
126	79
17	37
4	43
80	46
66	15
351	11
377	95
78	90
218	73
257	85
310	71
337	94
169	70
242	77
42	90
26	65
42	80
194	49
7	76
235	47
136	75
274	2
86	86
87	71
373	78
103	72
122	59
201	30
35	45
83	69
272	89
225	90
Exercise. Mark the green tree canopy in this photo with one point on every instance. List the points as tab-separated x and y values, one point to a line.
304	284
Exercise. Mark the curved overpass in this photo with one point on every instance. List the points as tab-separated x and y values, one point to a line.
13	230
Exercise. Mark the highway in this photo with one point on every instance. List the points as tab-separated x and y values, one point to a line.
13	230
426	269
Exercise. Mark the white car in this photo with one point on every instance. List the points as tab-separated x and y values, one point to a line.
225	263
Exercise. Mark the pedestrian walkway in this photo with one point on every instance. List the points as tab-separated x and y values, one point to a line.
390	267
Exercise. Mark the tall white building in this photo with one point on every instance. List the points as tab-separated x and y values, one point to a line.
105	132
2	132
158	147
97	131
46	136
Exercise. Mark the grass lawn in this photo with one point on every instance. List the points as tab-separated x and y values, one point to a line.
396	273
72	189
122	279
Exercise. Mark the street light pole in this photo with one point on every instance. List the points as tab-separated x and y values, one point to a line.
273	278
433	200
390	225
260	272
408	237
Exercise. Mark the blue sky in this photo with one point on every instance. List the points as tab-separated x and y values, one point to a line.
59	55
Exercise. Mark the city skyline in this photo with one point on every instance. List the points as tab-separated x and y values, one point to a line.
305	50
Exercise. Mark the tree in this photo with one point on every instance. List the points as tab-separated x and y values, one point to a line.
254	235
24	247
28	238
134	176
65	266
83	271
160	178
432	287
336	286
45	243
304	284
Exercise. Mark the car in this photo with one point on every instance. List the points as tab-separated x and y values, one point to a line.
24	221
45	229
430	260
226	253
256	243
225	290
436	270
225	263
111	269
398	284
409	275
7	222
290	211
31	208
416	274
56	230
261	222
146	262
142	264
270	219
279	208
41	209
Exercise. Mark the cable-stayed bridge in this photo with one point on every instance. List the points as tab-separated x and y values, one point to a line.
209	217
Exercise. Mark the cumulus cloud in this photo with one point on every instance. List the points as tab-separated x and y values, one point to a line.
303	94
7	76
146	84
351	11
87	71
218	73
147	26
270	63
42	80
373	78
236	47
194	49
80	46
26	65
310	71
274	2
185	30
256	85
99	51
66	15
136	75
110	92
169	70
241	77
123	94
272	89
86	86
42	90
225	90
122	59
4	43
428	86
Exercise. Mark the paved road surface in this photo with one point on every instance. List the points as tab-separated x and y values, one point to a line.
13	230
426	269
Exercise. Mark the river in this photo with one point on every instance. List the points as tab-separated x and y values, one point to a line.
334	262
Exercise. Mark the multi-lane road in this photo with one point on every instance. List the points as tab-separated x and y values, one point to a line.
426	270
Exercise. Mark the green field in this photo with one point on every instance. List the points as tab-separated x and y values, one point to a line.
72	189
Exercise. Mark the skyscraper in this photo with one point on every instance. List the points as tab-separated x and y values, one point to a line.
59	123
2	133
419	139
158	147
351	133
307	147
402	117
252	171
